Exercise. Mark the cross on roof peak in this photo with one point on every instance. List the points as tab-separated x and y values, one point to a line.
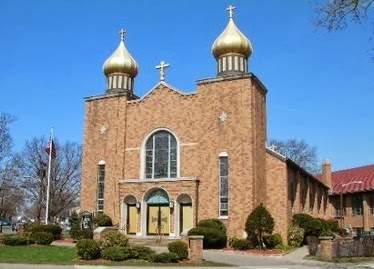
162	66
122	33
230	9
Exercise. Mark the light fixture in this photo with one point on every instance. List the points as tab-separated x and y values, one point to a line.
138	205
171	204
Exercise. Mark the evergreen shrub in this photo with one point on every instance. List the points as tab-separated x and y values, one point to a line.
240	244
114	238
116	254
55	230
103	220
259	223
141	252
180	248
272	240
213	223
165	257
213	238
81	234
88	249
43	238
295	236
14	240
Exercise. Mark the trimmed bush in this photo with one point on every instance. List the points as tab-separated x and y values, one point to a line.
88	249
81	234
240	244
103	220
14	240
272	240
165	257
43	238
180	248
259	222
142	252
53	229
213	238
116	254
295	236
212	223
114	238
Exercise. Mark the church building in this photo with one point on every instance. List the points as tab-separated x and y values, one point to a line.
160	163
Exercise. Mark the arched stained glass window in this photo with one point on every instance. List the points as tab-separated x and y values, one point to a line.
161	156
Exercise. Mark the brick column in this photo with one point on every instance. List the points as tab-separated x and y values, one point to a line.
196	248
326	249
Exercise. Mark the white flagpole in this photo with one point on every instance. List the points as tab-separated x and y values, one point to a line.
49	177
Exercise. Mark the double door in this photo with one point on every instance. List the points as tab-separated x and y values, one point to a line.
158	220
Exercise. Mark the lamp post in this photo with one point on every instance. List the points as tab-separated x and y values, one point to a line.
341	199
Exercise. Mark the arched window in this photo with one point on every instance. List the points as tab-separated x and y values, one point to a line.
161	156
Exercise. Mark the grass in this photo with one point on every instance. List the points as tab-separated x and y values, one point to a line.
68	255
38	254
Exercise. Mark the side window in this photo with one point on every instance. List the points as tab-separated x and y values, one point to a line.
223	185
100	188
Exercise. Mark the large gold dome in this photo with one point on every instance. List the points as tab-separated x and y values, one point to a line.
231	41
121	62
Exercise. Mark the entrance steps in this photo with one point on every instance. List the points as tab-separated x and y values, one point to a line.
152	241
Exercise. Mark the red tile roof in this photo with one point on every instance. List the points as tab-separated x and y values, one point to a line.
356	179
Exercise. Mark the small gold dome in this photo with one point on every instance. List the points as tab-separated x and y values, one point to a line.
121	61
231	40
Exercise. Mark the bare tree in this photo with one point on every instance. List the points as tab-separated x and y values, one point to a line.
64	179
338	14
5	137
298	151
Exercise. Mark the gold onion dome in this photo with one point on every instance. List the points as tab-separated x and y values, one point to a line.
231	41
121	61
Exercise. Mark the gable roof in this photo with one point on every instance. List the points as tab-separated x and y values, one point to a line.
351	180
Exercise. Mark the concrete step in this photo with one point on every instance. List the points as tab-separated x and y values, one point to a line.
151	241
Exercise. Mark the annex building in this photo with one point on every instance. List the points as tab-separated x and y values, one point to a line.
159	163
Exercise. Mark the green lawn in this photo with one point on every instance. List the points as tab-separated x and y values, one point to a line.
67	255
38	254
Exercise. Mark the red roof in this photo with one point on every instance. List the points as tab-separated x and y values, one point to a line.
353	180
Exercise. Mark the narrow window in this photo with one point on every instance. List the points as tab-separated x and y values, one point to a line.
356	204
372	203
161	156
100	188
223	186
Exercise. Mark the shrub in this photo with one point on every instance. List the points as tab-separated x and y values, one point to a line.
180	248
74	221
116	254
240	244
103	220
53	229
295	236
81	234
213	238
88	249
165	257
142	252
14	240
313	242
259	222
114	238
272	240
212	223
43	238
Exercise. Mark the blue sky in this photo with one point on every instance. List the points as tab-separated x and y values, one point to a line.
320	85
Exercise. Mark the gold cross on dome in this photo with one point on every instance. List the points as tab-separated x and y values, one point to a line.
122	33
230	9
162	66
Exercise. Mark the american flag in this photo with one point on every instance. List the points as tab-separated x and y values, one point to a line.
51	145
